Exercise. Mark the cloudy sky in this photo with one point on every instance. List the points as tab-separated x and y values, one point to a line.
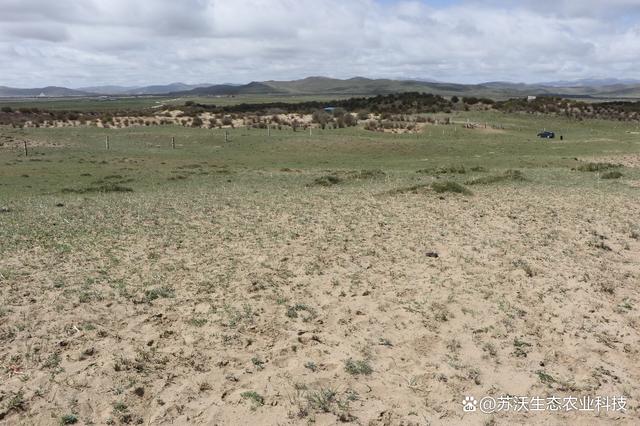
76	43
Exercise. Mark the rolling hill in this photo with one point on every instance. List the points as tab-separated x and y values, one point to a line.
365	86
50	91
357	86
162	89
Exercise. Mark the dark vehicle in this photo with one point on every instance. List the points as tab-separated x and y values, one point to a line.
546	135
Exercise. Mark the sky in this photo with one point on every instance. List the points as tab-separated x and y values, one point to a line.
76	43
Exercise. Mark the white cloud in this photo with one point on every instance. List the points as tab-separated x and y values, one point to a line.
86	42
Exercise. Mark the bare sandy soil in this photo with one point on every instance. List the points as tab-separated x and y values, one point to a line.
327	305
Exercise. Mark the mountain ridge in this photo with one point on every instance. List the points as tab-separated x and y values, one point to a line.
355	86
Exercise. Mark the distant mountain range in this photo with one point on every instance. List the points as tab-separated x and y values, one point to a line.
591	82
50	91
142	90
593	88
365	86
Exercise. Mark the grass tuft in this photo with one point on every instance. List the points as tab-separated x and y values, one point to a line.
322	399
68	419
254	397
159	293
358	367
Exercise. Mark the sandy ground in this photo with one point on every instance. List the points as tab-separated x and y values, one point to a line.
176	117
183	305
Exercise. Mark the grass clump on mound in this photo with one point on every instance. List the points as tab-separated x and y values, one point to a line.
438	187
459	170
449	186
414	189
104	188
367	174
341	177
443	170
614	174
509	175
326	180
596	167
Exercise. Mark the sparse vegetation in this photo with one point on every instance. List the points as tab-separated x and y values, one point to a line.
358	367
69	419
256	399
161	292
322	400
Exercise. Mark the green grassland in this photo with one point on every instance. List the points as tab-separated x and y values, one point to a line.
145	157
141	164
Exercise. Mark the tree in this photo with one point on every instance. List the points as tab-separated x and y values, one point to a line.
321	117
349	120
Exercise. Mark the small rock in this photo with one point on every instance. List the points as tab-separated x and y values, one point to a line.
5	210
59	205
139	391
433	254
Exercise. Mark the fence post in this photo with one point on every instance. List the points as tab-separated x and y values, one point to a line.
106	143
173	142
26	151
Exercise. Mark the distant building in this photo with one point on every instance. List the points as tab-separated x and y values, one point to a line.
329	109
531	98
42	95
